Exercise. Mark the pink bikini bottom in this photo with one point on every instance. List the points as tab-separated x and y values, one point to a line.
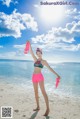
37	78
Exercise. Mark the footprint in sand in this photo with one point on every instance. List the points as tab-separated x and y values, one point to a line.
2	89
24	115
16	110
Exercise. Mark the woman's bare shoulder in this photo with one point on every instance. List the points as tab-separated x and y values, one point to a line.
44	61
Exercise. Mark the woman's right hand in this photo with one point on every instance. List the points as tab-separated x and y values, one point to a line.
27	41
58	77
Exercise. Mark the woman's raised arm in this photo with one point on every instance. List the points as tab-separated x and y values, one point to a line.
32	53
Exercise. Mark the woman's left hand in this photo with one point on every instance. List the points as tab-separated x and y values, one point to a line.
58	77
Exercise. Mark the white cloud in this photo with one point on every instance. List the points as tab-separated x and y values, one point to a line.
20	51
8	2
68	47
1	46
13	24
7	55
77	17
19	46
17	55
60	38
58	46
73	13
70	25
36	5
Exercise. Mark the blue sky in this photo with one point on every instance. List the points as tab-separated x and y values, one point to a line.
54	28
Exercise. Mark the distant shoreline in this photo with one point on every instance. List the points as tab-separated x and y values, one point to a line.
15	60
32	61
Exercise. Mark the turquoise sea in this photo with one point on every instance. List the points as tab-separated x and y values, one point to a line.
19	72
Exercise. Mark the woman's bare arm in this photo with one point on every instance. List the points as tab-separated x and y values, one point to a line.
32	53
47	65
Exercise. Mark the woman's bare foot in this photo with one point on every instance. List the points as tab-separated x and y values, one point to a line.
46	113
38	108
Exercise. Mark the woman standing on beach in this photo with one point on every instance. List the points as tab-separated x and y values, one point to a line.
37	77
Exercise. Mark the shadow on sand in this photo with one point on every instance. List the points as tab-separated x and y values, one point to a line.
33	116
47	117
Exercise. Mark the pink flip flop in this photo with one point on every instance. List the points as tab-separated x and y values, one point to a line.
57	82
26	50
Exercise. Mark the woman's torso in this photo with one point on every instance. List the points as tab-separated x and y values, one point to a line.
38	65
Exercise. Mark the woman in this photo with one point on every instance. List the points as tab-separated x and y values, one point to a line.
37	77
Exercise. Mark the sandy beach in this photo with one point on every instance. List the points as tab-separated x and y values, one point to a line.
23	102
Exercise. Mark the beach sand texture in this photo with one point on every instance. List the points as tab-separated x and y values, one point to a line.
23	102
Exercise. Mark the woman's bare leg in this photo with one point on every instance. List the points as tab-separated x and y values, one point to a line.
36	95
45	97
